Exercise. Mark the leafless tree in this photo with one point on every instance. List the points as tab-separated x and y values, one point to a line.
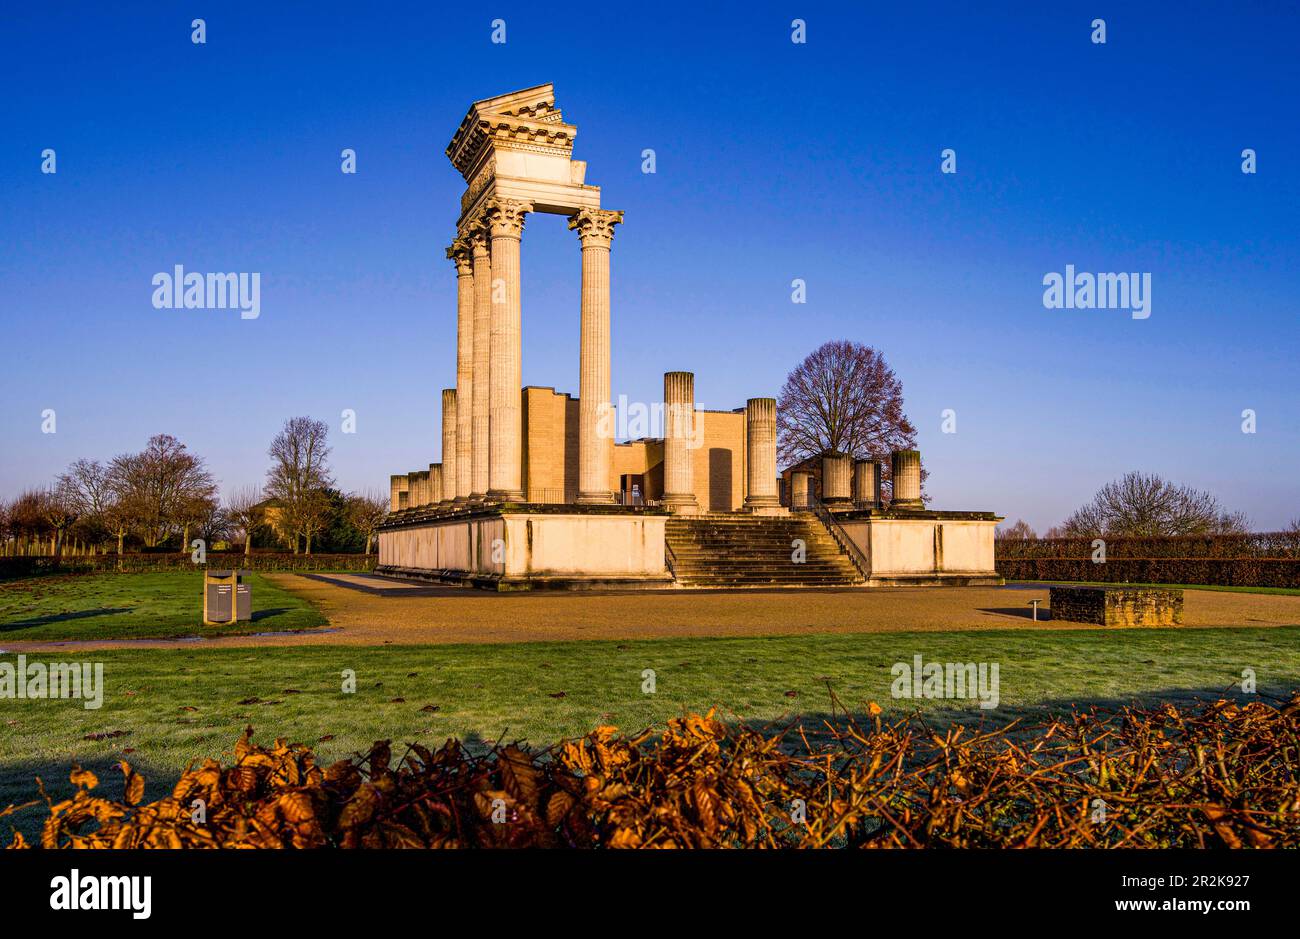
298	476
160	487
1019	530
59	507
843	397
242	508
1145	505
28	523
366	511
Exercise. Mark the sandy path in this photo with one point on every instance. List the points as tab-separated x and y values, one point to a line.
376	611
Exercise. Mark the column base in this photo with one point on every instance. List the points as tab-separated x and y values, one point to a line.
764	505
600	497
505	495
907	504
681	503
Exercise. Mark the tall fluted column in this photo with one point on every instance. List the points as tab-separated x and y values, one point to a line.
506	434
458	480
679	434
450	416
907	480
760	455
479	421
595	228
837	469
396	489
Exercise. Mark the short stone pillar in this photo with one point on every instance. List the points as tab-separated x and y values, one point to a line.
907	480
397	487
799	483
760	462
413	490
866	484
837	470
679	442
450	422
434	495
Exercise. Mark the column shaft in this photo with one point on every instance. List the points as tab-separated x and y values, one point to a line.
479	421
837	471
458	460
679	436
907	480
505	460
396	488
595	229
450	416
760	454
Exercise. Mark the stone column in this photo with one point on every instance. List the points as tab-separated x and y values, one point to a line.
866	484
479	422
434	495
505	407
396	488
595	228
414	491
837	468
760	456
679	433
458	475
907	480
799	491
450	417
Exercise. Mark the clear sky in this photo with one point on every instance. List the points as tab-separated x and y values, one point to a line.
775	161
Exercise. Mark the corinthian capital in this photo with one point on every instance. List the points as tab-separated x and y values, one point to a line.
459	251
505	217
595	227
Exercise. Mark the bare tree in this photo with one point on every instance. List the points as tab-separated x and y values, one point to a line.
365	511
244	512
60	510
28	523
299	474
1019	530
160	487
1145	505
843	397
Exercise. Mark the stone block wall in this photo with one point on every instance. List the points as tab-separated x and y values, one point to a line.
1118	606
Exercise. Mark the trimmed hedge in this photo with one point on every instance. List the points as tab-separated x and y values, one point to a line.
1263	545
1211	571
142	563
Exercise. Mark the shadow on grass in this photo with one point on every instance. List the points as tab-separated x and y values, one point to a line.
65	617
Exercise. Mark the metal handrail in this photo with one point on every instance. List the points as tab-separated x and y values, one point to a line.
847	544
670	558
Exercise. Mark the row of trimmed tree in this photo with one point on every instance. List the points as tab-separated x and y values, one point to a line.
164	496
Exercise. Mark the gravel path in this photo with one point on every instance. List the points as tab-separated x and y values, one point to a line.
366	610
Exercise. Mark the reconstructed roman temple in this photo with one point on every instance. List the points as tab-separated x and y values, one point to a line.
533	490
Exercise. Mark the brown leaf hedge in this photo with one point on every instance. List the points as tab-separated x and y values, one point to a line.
1221	774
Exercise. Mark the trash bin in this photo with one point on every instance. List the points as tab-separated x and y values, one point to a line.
226	598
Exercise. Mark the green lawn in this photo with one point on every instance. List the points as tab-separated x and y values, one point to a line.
168	707
136	606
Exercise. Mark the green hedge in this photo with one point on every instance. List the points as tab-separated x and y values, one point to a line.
1212	571
144	563
1263	545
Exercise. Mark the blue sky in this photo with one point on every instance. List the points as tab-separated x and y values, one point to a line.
775	161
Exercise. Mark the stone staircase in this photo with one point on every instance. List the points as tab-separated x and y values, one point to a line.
748	551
